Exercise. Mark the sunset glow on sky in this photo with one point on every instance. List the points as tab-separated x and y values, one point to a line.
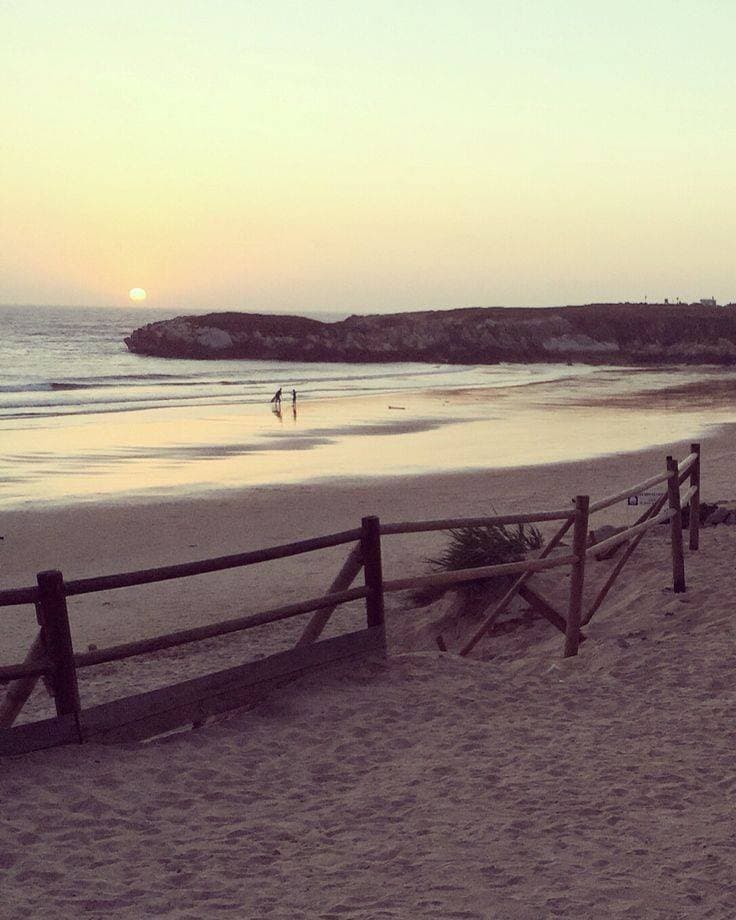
369	157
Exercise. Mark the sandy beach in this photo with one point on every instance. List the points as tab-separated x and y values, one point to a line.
316	274
89	539
511	784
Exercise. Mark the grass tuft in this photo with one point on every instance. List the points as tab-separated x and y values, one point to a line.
473	547
494	544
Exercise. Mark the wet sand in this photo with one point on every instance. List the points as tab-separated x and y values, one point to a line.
187	452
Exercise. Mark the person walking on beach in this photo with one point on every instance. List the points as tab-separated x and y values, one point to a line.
293	397
277	398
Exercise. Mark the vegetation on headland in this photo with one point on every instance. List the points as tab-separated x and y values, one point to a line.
623	333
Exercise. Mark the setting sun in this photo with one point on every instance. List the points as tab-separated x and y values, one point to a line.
137	294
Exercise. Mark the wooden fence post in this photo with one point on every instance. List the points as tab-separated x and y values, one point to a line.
694	526
370	546
58	641
577	575
678	556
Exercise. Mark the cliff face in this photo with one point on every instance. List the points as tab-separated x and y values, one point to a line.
596	333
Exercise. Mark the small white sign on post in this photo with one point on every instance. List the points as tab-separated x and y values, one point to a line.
644	498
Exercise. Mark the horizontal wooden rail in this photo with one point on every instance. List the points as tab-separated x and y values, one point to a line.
17	671
627	493
486	571
625	535
196	634
15	596
184	570
530	517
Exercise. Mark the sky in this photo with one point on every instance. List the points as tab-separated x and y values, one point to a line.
366	156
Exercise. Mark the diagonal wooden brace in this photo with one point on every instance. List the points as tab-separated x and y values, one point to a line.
344	578
544	608
513	590
19	690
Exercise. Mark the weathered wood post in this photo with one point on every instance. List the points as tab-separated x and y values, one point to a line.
57	639
694	527
678	556
370	546
577	575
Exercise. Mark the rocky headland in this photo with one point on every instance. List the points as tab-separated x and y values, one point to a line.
623	333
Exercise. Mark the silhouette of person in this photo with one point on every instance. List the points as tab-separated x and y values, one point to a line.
277	398
293	397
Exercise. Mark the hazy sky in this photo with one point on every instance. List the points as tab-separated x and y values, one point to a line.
382	155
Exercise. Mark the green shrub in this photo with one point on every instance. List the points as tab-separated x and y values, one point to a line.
494	544
473	547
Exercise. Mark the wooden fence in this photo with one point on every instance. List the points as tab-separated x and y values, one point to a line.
578	518
52	657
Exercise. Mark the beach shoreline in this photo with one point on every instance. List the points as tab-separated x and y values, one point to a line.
91	452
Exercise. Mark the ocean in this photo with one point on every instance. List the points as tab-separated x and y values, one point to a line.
67	361
84	419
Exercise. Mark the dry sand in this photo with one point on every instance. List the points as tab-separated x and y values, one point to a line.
511	785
